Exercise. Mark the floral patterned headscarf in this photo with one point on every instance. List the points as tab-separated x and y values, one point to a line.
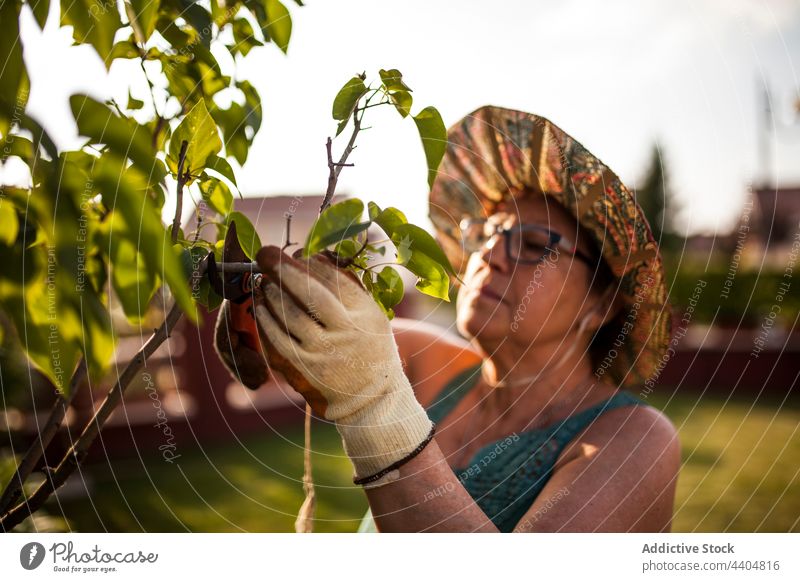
496	155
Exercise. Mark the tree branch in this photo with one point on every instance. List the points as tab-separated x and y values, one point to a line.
77	453
334	169
176	222
305	517
55	478
37	448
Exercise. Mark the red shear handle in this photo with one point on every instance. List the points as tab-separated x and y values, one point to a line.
243	321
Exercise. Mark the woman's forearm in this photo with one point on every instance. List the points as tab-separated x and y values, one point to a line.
427	496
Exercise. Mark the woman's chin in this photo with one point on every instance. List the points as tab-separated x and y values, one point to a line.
483	325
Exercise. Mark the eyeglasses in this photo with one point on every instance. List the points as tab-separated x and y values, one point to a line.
525	243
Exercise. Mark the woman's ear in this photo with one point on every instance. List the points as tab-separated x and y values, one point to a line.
607	306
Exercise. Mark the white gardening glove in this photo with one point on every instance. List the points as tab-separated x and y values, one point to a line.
322	323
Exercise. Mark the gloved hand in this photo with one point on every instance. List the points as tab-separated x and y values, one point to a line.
334	344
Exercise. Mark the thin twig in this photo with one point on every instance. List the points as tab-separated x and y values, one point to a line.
77	453
305	517
288	242
37	448
176	222
372	105
363	246
334	169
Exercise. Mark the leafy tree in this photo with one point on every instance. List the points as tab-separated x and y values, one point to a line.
658	203
89	222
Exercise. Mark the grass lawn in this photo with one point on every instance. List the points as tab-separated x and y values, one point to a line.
741	465
740	473
254	486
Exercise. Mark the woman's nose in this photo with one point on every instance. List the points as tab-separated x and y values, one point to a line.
494	254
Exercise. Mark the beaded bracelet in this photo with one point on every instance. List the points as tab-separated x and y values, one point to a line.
403	461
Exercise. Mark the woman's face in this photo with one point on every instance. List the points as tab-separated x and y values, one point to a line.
505	300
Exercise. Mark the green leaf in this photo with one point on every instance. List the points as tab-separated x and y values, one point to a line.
246	233
200	131
40	10
180	37
123	136
95	22
202	292
134	103
279	23
252	106
389	219
233	122
432	278
402	101
433	281
145	13
12	68
15	145
40	137
419	241
338	222
434	139
243	36
10	222
52	348
213	300
351	249
143	227
217	196
347	98
134	284
199	18
399	92
403	250
373	210
206	68
58	311
221	167
220	13
393	80
124	49
420	253
390	287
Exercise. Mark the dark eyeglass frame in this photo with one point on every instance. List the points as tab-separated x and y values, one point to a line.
555	239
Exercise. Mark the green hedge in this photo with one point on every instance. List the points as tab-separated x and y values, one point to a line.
742	297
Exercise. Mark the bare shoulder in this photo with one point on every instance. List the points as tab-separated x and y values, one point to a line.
620	473
637	432
431	355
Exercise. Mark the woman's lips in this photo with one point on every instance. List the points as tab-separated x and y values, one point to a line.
488	293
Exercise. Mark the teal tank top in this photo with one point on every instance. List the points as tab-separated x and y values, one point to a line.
505	477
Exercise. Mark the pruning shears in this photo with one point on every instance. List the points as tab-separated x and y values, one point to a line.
234	281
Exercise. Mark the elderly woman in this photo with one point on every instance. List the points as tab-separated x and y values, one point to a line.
530	424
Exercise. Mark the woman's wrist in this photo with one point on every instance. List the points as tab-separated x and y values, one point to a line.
384	435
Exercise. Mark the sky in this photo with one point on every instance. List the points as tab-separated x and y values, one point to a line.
618	75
